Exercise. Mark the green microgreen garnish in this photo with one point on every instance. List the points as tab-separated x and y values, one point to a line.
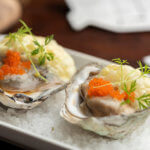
129	91
144	69
120	62
43	55
40	49
132	87
144	101
48	39
21	32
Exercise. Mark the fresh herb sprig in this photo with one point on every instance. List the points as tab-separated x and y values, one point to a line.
144	69
129	91
132	87
144	101
40	50
120	62
17	37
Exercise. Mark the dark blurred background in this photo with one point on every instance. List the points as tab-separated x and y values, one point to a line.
49	17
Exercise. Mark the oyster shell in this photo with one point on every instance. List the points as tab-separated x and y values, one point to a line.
15	94
113	126
27	91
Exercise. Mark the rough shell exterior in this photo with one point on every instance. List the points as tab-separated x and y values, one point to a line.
116	127
27	100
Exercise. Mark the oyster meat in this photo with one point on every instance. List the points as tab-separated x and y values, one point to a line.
105	115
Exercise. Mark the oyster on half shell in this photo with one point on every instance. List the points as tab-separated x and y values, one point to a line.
15	93
27	91
110	120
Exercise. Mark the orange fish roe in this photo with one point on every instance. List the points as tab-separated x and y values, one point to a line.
12	58
26	64
131	97
100	91
101	87
116	94
13	65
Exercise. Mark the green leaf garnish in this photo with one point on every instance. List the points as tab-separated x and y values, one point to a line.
48	39
21	32
40	49
42	60
43	55
129	91
144	69
37	43
119	61
50	56
132	87
144	101
34	52
25	28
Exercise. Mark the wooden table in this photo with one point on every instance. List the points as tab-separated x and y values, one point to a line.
49	17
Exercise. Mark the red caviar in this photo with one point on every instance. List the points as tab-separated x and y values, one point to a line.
101	87
13	65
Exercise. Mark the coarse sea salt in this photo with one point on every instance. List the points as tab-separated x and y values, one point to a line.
46	121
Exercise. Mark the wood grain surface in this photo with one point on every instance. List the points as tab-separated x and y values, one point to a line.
49	16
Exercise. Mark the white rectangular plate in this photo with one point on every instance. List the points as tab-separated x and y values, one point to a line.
43	128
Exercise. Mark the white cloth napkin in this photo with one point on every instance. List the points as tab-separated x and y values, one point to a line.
114	15
146	60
